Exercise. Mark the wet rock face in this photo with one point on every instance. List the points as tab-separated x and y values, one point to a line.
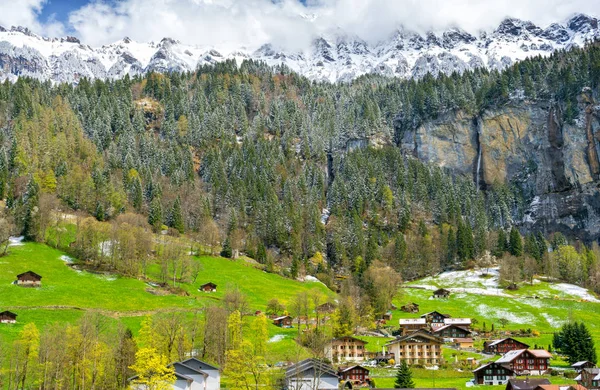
556	164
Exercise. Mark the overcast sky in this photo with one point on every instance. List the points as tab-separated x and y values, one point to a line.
289	23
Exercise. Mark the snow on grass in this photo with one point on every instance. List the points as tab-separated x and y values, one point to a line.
15	241
479	282
66	259
575	291
276	338
553	321
494	312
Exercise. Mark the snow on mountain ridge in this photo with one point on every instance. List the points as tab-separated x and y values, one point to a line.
336	57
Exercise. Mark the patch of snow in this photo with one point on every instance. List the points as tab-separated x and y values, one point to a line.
576	291
66	259
553	321
15	241
276	338
513	317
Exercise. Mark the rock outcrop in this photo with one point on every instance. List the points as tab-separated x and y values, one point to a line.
556	164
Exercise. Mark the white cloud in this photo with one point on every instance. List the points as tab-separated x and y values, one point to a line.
235	23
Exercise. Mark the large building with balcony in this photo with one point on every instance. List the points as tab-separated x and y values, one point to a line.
346	349
420	347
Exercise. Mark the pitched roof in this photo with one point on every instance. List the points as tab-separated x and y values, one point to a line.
304	365
209	284
350	337
561	387
439	329
29	273
179	365
463	340
491	364
495	342
419	333
204	365
8	313
581	363
529	383
344	369
457	321
512	355
280	318
540	353
435	312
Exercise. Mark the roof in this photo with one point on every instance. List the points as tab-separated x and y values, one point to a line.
439	329
206	366
209	284
561	387
350	337
491	364
411	304
185	366
456	321
304	365
29	273
280	318
512	355
529	383
435	312
441	290
496	342
8	313
582	363
463	340
344	369
418	333
413	321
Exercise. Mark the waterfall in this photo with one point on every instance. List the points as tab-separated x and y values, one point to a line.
478	165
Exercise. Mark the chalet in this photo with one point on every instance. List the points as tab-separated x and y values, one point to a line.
561	387
208	287
346	349
462	322
493	374
354	374
409	325
532	361
7	317
503	346
420	347
579	366
327	307
29	279
435	317
283	321
526	384
387	316
410	308
190	374
463	343
311	374
451	332
441	293
589	377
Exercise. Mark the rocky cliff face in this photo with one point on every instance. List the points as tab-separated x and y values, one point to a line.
555	164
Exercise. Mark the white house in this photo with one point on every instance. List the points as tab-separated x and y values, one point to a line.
311	374
193	374
213	381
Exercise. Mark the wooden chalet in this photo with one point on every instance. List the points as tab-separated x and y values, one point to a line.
526	384
387	316
346	348
451	332
441	293
463	343
493	374
409	325
531	361
503	346
410	308
589	377
29	279
579	366
208	287
420	347
283	321
462	322
327	307
7	317
354	374
435	317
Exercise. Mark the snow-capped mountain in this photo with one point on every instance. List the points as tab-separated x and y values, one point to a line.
337	57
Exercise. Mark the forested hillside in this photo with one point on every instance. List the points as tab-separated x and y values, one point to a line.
306	178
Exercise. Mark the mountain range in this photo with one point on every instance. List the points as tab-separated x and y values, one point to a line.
335	58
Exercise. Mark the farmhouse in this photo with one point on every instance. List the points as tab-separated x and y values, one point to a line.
409	325
311	374
441	293
462	322
29	279
283	321
526	384
451	332
387	316
420	347
503	346
208	287
327	307
346	349
589	377
7	317
534	361
410	308
463	343
191	374
354	374
493	374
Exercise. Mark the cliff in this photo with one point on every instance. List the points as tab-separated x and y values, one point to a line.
555	164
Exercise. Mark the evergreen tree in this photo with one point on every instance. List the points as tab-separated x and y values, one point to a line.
515	244
155	214
464	241
404	377
502	244
226	251
176	216
575	341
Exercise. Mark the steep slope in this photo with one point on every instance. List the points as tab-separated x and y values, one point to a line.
336	57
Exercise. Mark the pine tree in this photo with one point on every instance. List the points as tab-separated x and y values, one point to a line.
515	244
226	251
176	217
404	377
155	214
502	244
